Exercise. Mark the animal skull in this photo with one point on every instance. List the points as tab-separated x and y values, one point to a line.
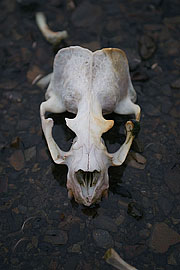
89	84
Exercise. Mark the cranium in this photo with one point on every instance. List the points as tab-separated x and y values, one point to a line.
89	84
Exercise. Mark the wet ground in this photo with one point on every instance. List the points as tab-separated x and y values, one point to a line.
39	227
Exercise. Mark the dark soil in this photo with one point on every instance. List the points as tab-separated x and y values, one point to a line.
39	227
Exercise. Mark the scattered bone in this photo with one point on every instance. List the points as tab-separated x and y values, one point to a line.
22	228
42	82
52	37
154	65
70	5
37	78
18	242
112	257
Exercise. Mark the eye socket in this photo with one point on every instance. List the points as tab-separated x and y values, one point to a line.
87	179
62	134
115	137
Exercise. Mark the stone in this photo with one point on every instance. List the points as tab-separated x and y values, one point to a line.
53	265
105	223
68	223
76	248
8	85
119	220
146	203
177	62
33	72
86	15
175	112
30	153
3	183
71	263
23	124
144	234
172	20
56	237
166	205
75	235
136	160
166	104
121	190
163	237
123	204
172	260
35	241
28	5
22	209
152	27
135	250
139	76
13	96
103	239
151	110
43	154
15	210
93	45
26	54
137	146
135	210
17	160
147	47
15	142
133	58
171	178
176	84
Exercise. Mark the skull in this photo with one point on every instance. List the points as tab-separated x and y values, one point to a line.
87	84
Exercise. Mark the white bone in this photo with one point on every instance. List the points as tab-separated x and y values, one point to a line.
112	257
52	37
89	84
43	82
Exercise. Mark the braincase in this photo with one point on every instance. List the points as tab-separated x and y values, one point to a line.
110	72
104	72
71	69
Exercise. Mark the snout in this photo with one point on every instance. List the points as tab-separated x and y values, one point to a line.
87	187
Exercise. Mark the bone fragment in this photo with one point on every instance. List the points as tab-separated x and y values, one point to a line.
38	77
112	257
43	82
70	5
50	36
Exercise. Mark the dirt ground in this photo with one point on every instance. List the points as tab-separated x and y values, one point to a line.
40	228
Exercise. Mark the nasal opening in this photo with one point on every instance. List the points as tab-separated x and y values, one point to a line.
86	178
